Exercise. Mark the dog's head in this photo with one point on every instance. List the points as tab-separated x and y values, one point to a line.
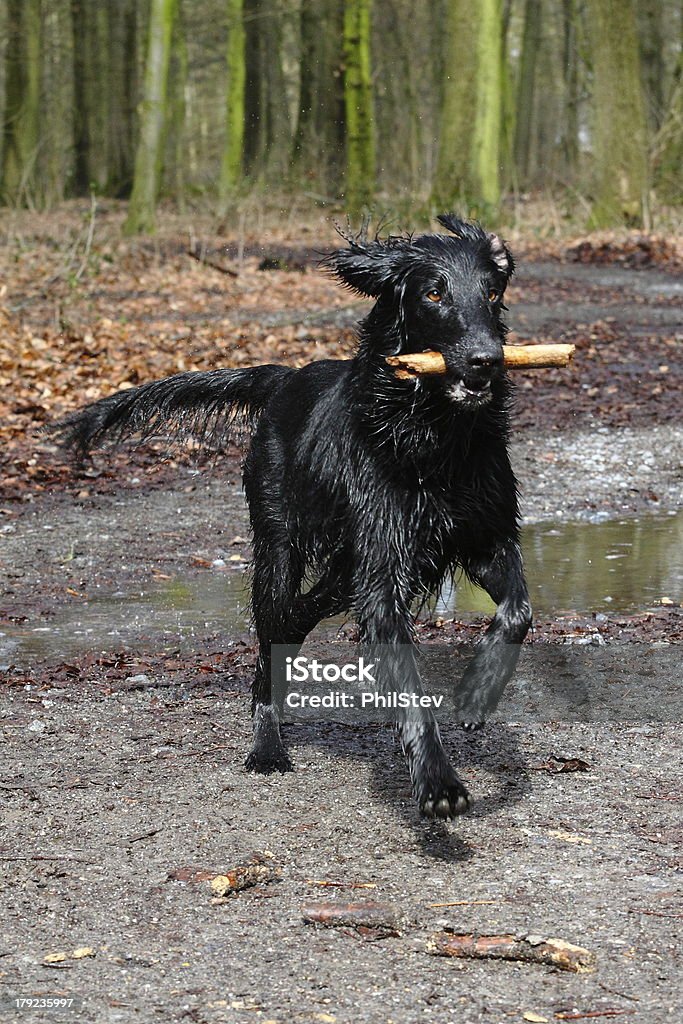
440	293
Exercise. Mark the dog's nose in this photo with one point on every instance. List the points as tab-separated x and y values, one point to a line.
485	358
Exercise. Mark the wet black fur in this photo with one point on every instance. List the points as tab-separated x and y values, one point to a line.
374	488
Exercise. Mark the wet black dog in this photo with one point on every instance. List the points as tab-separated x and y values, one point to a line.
376	487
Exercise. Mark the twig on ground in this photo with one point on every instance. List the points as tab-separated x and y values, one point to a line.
201	257
527	948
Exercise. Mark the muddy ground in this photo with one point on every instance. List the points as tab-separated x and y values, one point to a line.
122	780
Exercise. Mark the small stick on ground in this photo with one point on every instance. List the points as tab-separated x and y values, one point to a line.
259	870
527	948
463	903
207	261
341	885
517	357
372	920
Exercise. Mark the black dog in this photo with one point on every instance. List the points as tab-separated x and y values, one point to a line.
378	488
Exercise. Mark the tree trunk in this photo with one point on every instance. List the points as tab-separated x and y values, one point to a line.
22	99
256	99
669	154
619	132
652	44
452	180
570	56
360	139
485	152
92	64
508	106
319	138
174	179
279	122
231	165
525	90
267	139
142	206
123	94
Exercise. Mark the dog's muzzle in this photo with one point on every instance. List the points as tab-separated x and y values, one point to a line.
465	394
471	386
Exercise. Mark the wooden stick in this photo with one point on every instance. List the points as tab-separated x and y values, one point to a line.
208	262
379	919
522	357
527	948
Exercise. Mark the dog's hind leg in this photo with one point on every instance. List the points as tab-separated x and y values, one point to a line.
501	574
284	617
275	582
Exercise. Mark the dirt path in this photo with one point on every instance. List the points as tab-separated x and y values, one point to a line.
123	789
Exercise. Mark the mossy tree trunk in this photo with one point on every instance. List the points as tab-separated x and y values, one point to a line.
651	19
531	42
669	149
452	181
233	147
485	150
22	99
619	125
570	58
360	137
142	207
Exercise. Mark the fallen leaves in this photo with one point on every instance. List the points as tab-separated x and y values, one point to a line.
146	311
634	250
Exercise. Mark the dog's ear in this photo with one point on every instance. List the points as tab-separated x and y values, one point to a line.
454	224
501	255
365	268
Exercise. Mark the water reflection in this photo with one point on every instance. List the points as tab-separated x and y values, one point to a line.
625	565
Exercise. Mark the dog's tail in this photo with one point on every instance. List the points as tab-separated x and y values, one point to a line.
204	405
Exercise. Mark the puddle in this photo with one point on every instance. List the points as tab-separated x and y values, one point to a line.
622	565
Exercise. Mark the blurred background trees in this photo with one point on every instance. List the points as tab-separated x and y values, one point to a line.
409	104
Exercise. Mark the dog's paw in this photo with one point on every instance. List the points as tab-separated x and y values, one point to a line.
446	798
270	760
267	752
472	726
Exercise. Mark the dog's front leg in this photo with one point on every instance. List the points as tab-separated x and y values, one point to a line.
501	574
384	622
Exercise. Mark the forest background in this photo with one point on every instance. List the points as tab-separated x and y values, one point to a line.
406	106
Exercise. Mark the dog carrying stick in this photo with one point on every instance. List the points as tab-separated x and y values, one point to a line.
517	357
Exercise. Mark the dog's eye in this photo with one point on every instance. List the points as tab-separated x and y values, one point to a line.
493	295
434	295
